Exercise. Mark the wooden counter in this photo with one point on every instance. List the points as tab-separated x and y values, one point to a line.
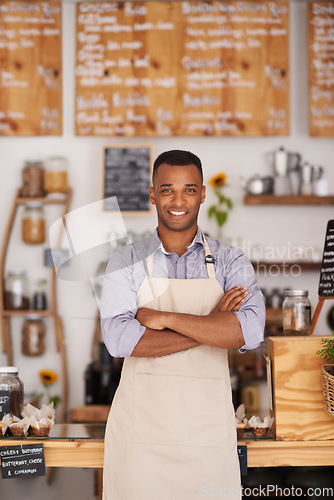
83	446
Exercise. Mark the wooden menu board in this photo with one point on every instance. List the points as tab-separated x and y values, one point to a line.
30	68
182	68
321	68
126	174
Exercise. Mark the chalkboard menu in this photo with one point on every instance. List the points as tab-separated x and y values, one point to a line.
182	68
321	68
30	68
127	176
326	284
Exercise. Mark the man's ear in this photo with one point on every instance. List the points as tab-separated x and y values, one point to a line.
203	195
152	195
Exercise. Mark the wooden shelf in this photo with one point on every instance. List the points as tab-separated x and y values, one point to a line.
270	199
27	312
45	199
261	266
52	312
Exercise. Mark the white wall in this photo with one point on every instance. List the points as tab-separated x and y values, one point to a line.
268	226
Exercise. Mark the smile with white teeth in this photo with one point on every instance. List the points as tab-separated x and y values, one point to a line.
173	212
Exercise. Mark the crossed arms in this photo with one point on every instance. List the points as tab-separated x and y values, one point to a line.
167	333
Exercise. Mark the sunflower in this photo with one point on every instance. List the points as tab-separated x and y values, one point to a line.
220	210
48	377
218	180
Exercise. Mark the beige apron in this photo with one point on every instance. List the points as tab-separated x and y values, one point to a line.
171	429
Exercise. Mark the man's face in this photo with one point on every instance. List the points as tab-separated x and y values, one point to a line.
177	193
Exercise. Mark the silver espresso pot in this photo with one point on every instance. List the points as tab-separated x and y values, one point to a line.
285	161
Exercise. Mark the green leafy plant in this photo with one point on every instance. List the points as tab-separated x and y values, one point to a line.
327	351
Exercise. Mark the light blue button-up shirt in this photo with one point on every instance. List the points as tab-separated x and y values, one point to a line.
126	270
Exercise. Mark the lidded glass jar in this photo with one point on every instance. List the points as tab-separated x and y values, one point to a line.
33	223
11	391
296	313
39	298
32	179
55	177
16	291
33	336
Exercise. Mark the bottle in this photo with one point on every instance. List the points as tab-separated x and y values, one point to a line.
33	223
32	179
55	177
39	297
33	336
296	313
16	291
11	391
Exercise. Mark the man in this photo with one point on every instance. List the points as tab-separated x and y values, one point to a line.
172	306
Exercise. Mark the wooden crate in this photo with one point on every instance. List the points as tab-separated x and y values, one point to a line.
297	389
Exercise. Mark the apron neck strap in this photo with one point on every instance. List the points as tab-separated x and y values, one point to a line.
209	260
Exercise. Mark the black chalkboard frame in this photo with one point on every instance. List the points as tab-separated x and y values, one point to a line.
327	264
106	193
326	273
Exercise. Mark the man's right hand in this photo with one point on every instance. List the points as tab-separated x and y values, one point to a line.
232	300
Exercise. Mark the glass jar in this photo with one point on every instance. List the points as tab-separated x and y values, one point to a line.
55	177
32	179
16	291
11	391
39	297
296	313
33	336
33	223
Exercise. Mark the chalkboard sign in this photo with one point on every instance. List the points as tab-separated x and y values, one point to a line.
326	283
172	68
22	461
127	176
321	68
30	68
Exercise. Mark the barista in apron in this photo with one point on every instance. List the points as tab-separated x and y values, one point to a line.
171	429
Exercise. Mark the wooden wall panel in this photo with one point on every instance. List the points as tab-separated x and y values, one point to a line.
321	68
182	68
30	68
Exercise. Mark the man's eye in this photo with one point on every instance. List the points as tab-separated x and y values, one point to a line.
166	190
190	190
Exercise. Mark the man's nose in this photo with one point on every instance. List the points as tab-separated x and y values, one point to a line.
178	198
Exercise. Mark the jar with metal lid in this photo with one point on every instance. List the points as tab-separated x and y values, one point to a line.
32	179
11	391
16	291
33	223
39	298
296	313
33	336
55	177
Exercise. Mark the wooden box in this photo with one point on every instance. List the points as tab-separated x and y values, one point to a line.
297	390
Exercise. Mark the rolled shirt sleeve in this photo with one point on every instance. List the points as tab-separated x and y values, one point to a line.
120	330
252	313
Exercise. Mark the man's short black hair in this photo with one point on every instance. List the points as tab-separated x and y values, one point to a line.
178	157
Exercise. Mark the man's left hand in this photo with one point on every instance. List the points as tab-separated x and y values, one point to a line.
151	318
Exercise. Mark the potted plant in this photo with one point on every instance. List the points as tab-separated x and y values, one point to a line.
327	374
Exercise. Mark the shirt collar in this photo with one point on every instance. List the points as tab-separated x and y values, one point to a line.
157	244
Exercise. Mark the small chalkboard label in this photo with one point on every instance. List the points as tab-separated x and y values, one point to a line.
22	461
4	403
126	174
242	454
326	283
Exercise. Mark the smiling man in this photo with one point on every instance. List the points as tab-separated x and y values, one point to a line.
172	305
